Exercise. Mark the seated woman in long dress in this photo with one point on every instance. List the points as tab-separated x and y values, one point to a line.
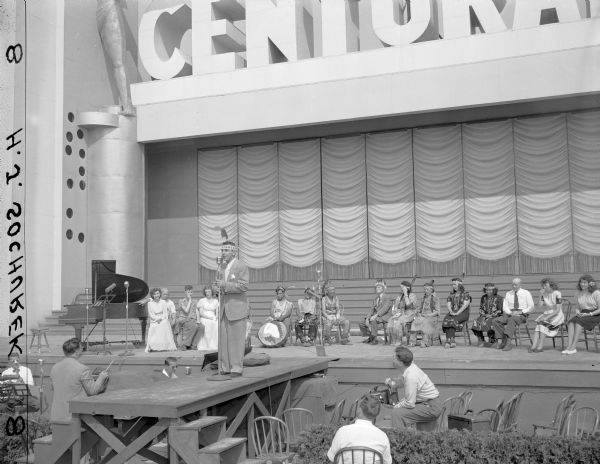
458	304
490	307
187	328
403	313
548	323
426	318
160	335
207	313
587	312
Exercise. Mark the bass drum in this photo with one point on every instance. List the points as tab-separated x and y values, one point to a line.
273	334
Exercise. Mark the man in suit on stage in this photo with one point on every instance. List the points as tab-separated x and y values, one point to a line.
380	314
233	285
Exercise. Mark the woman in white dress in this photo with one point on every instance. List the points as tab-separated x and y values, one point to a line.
160	335
207	313
548	323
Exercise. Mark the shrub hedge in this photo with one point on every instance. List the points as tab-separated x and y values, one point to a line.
459	447
12	447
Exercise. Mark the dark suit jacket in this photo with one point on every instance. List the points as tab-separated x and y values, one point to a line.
234	299
383	308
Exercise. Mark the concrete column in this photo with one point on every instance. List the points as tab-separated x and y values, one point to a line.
116	207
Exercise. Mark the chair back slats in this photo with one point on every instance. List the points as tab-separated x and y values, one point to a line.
583	422
358	455
297	420
466	396
336	416
270	436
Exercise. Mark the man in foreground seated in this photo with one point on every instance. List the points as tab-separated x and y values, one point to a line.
71	379
420	402
362	432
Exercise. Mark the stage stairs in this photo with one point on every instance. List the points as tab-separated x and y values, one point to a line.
202	441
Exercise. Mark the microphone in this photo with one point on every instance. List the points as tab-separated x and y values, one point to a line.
110	288
126	284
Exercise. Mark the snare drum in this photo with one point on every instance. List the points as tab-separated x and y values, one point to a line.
273	334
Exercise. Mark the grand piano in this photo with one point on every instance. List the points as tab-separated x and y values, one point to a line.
108	299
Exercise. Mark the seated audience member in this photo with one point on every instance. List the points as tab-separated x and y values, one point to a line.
188	329
160	335
403	312
71	379
207	311
332	314
517	304
281	310
547	324
306	324
587	313
170	368
379	314
164	295
420	402
490	308
16	369
426	318
458	304
362	432
23	376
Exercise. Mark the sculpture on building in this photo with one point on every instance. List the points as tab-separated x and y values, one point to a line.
112	37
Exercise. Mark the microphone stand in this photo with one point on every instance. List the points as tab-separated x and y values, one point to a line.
41	361
320	343
87	319
127	351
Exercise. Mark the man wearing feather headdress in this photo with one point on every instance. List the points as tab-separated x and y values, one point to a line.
233	285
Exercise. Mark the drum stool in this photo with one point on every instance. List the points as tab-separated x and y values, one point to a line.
38	333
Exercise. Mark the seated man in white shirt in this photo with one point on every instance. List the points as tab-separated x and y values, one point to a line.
518	303
420	402
362	433
16	369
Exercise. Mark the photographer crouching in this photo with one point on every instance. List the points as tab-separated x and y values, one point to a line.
420	402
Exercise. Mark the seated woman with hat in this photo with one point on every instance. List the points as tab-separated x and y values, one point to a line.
426	318
403	313
281	310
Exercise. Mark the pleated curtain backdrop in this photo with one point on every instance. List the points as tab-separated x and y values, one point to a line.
501	197
584	167
543	196
300	224
217	206
258	210
345	234
390	199
490	202
439	200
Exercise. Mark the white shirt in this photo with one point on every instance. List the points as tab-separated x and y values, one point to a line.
361	433
418	387
171	307
24	373
525	301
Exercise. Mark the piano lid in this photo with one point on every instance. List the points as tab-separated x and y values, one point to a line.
138	289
